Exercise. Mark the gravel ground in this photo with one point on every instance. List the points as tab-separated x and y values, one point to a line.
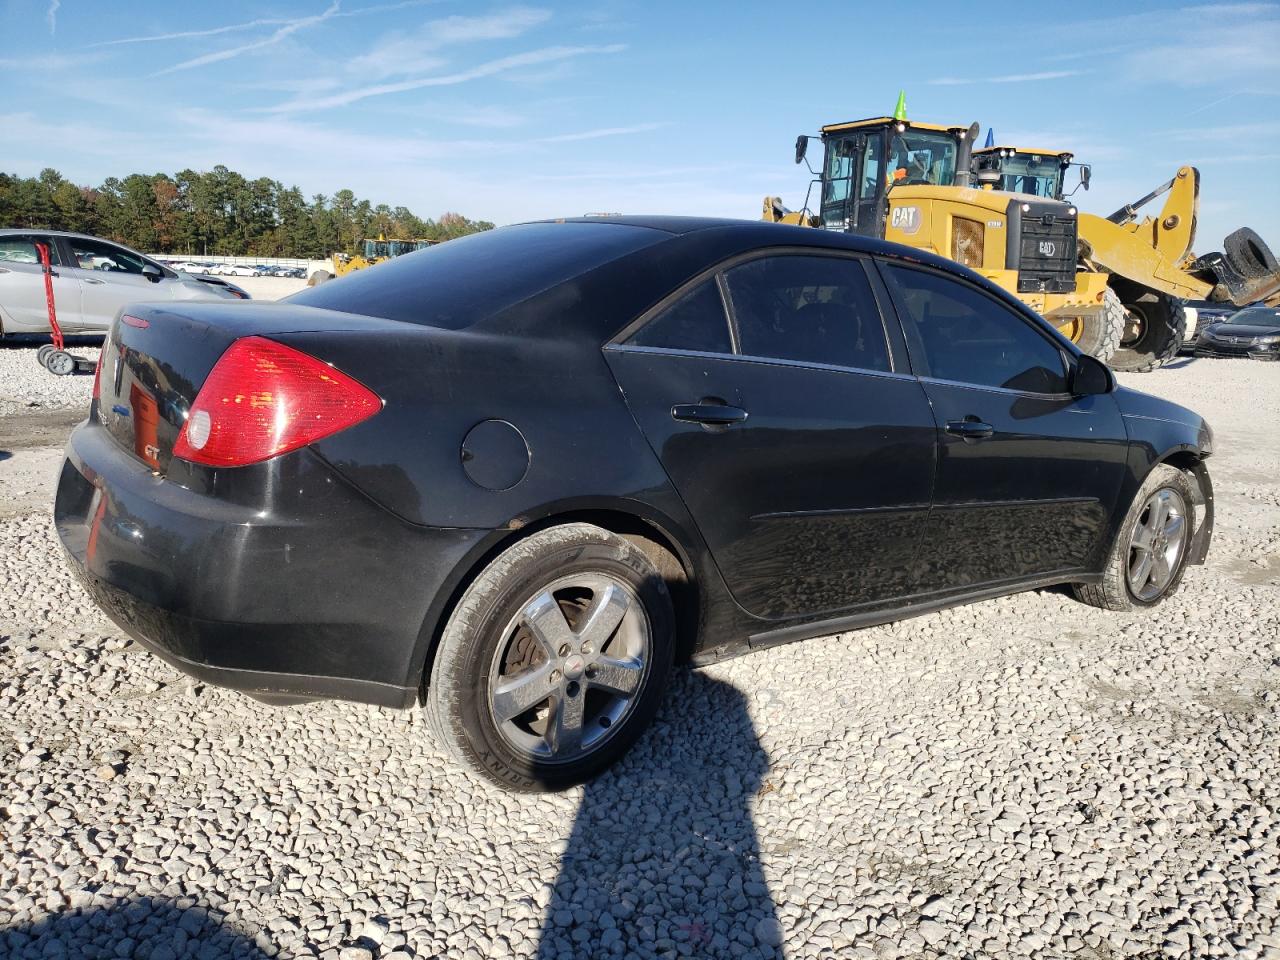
1025	777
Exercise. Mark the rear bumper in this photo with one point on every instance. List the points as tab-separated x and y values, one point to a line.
324	595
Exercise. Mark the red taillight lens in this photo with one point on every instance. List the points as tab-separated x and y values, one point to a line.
97	372
263	399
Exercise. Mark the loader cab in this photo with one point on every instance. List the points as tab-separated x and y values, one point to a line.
1039	173
376	249
866	159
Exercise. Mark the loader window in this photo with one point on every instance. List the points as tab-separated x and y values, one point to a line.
1037	174
922	157
840	162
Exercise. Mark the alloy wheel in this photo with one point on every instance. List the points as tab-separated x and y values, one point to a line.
1157	544
569	668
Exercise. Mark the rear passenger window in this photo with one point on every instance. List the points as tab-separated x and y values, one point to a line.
696	321
811	309
957	332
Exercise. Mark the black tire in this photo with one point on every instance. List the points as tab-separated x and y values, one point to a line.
459	702
1154	329
319	277
1099	334
1114	591
1249	254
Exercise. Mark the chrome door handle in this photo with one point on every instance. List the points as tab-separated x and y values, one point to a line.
94	280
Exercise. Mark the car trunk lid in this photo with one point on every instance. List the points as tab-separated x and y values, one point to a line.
156	358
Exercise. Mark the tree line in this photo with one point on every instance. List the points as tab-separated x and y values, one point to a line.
219	212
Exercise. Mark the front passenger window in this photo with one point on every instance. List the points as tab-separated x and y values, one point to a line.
956	332
94	255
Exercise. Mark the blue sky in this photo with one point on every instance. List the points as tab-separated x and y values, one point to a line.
513	111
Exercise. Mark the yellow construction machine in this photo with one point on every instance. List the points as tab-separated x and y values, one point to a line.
372	252
1149	261
912	183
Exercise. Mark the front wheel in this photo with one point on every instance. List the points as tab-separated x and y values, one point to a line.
1153	331
554	660
1098	334
1149	555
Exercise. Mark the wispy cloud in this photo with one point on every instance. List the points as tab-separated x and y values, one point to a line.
412	53
488	69
49	61
287	30
601	132
51	14
1007	78
250	24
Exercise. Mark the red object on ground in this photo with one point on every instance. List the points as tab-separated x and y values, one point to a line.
43	250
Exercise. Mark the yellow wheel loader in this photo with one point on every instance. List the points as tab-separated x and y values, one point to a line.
1149	262
1112	285
372	252
909	182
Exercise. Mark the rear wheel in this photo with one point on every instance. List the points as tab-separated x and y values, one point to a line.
1150	551
554	660
1098	334
1154	326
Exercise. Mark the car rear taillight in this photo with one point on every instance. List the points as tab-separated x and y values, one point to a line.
263	399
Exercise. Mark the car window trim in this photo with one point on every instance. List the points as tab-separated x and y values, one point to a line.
618	341
904	317
754	358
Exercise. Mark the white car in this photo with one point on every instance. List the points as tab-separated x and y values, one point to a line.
92	280
236	270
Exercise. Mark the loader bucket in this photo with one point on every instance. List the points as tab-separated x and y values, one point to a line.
1245	272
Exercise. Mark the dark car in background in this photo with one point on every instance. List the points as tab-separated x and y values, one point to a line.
1252	332
515	476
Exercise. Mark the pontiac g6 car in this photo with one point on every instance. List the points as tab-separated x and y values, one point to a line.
516	476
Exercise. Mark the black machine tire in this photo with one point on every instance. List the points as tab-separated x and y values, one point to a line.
1113	592
1159	325
461	695
1249	254
319	277
1100	333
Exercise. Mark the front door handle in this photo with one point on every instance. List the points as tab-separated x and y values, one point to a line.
970	428
711	414
93	280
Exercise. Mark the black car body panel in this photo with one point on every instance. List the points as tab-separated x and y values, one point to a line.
1239	340
330	570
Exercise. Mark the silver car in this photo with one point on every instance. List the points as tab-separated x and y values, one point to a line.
92	280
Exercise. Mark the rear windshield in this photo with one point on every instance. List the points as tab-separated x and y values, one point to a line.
454	284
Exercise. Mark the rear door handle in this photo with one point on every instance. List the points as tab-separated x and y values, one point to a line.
93	280
970	428
713	414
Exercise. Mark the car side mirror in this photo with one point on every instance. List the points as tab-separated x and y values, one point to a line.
1090	376
152	272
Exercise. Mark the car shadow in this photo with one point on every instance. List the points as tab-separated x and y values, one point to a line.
663	857
146	927
1176	364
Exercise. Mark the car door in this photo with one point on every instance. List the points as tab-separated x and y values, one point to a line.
1028	474
806	458
23	304
110	277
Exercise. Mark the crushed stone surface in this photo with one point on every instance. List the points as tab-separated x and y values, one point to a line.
1022	777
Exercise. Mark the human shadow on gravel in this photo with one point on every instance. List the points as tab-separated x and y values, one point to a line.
663	859
146	927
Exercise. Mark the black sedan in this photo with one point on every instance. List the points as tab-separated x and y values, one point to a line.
516	476
1252	332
